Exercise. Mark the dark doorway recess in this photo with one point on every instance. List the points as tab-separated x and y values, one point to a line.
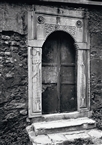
59	74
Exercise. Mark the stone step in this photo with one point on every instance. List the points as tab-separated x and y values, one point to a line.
64	125
83	137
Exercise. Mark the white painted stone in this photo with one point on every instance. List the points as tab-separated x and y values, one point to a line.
31	136
59	116
95	133
42	140
63	123
57	137
97	141
72	137
29	128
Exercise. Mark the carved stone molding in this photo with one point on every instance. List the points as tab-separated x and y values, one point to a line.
53	27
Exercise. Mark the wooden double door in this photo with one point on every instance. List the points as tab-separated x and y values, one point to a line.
59	74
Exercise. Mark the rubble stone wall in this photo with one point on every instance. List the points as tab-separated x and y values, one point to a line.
13	74
14	71
14	87
95	29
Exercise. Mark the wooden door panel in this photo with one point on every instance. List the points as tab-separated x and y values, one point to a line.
49	52
58	74
68	75
50	99
68	98
67	51
68	101
49	74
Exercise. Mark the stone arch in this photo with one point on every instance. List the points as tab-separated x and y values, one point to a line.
58	31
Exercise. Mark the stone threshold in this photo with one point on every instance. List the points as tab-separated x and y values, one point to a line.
64	132
63	125
93	136
59	116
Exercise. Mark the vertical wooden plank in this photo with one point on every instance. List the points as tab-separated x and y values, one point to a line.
58	70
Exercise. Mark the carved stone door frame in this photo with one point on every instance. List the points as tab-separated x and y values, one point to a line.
42	21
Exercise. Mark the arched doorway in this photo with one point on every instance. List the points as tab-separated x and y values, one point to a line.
59	74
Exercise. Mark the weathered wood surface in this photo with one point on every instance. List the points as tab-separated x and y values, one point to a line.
58	77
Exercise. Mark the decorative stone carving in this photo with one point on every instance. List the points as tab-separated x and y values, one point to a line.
40	20
36	78
42	23
83	90
52	27
79	24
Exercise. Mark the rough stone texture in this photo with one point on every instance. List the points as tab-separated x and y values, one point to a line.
95	28
13	88
84	137
95	133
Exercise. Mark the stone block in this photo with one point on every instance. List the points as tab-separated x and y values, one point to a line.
15	43
23	112
2	54
75	136
7	42
7	53
9	75
14	49
42	140
63	125
5	37
11	115
14	105
57	138
95	133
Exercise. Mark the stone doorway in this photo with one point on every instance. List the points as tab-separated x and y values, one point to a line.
66	67
59	74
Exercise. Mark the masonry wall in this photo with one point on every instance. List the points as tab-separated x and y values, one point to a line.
95	29
13	74
14	71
